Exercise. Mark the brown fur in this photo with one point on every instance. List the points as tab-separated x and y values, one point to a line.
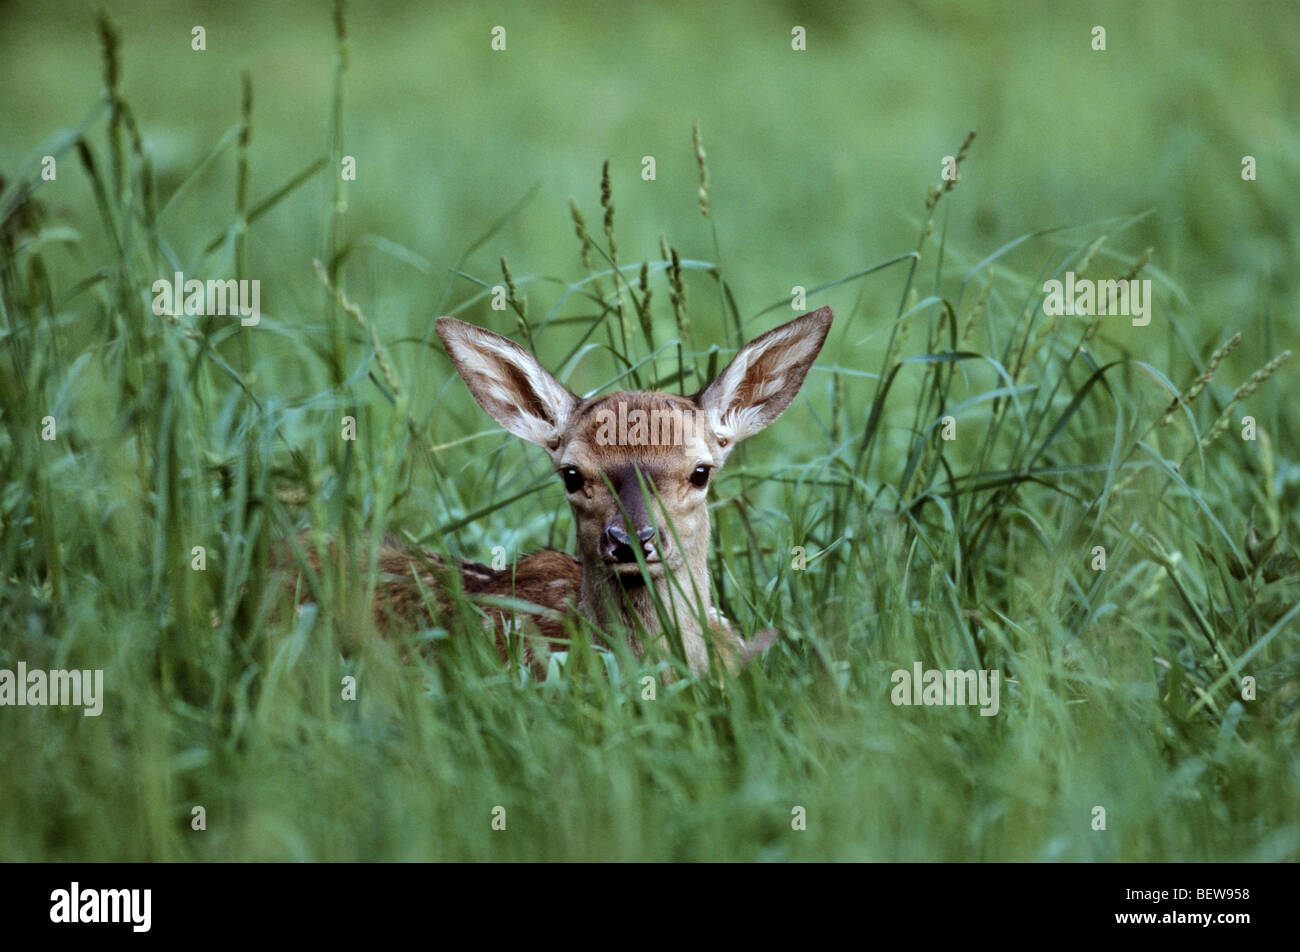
549	579
643	487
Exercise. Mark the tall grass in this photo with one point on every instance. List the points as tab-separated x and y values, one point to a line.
1123	685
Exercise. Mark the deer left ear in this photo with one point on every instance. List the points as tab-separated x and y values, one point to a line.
508	382
764	377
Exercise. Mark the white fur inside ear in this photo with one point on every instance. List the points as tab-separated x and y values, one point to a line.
751	391
735	424
509	383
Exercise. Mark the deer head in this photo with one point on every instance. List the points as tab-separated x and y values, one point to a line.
637	465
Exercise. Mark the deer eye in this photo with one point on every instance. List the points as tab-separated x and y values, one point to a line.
573	480
701	476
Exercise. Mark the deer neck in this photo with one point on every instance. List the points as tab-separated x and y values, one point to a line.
630	604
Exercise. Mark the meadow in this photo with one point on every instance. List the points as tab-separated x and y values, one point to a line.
1101	510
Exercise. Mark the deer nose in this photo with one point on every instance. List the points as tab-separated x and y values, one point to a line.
620	543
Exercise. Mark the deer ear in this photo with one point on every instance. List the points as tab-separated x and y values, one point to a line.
764	377
508	382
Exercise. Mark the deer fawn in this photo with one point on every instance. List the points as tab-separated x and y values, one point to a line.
636	467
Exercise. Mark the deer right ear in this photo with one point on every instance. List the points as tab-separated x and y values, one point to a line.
508	382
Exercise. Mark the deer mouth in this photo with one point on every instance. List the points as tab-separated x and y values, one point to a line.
630	566
628	575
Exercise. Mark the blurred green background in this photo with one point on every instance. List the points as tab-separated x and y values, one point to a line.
819	160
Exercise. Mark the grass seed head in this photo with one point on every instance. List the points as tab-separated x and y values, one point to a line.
580	229
1200	382
607	203
1243	392
701	160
